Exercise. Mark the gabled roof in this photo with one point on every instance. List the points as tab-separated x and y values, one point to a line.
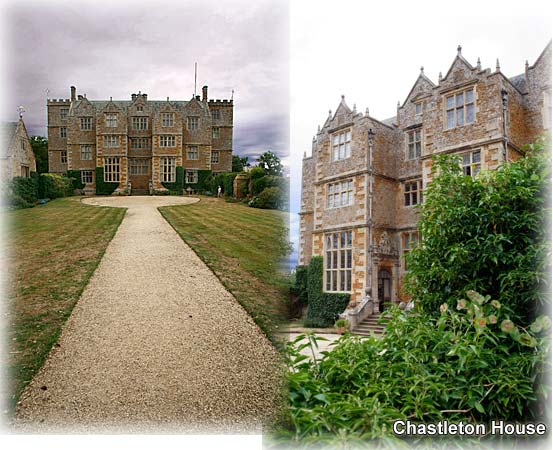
422	78
342	108
7	133
546	50
458	59
519	82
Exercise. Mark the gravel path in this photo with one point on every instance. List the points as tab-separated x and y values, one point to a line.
155	344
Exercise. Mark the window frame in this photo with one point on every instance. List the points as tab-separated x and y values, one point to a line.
137	166
167	119
407	240
85	178
336	145
417	106
412	197
167	141
64	112
215	114
111	141
470	166
338	261
134	140
217	159
113	163
192	123
335	194
63	156
168	169
86	123
111	120
63	132
416	134
86	150
194	173
189	149
139	123
455	107
216	133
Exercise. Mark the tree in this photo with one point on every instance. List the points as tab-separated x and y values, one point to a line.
488	234
238	163
40	149
270	163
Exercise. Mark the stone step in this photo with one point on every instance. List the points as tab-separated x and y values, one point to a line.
140	192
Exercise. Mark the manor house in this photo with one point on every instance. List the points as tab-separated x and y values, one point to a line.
365	176
139	143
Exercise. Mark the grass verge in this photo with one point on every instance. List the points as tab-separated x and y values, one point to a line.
243	247
50	253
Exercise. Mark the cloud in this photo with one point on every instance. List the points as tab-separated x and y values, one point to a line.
114	49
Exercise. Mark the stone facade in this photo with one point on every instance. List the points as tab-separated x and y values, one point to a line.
139	143
17	158
479	114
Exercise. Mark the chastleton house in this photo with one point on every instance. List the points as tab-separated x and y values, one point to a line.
16	155
365	176
139	146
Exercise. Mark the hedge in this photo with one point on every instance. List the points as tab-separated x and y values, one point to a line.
269	198
22	192
103	187
178	185
258	185
324	307
226	181
75	175
54	186
300	285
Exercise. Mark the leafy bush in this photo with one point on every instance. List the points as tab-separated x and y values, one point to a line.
22	192
103	187
471	364
258	185
324	307
54	186
270	198
225	180
300	285
75	176
488	234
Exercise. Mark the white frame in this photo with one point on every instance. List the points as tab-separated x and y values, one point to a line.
339	194
191	174
167	119
216	133
194	150
338	261
459	109
63	156
86	152
111	141
85	178
167	141
340	145
471	165
63	132
111	120
408	193
86	123
415	133
168	169
192	123
214	157
139	123
112	169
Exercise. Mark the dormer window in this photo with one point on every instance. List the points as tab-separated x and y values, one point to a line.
167	119
341	148
418	108
460	108
140	108
111	120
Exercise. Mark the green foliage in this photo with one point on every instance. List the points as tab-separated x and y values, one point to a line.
270	163
102	187
176	187
53	186
259	184
205	180
238	163
22	192
40	149
487	234
324	307
75	176
256	172
269	198
471	363
225	180
300	284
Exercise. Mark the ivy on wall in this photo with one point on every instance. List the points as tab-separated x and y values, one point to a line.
324	307
75	176
103	187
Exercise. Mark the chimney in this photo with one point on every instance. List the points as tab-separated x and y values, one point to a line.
133	97
80	97
73	93
204	92
145	96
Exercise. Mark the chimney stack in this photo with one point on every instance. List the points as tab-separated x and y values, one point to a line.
204	94
73	93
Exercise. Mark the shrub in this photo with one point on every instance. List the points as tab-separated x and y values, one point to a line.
225	180
270	198
54	186
469	363
103	187
22	192
205	180
258	185
324	307
487	234
75	176
300	285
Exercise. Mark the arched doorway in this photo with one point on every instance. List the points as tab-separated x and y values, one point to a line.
384	289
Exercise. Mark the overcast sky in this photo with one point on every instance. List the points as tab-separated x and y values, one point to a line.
372	52
116	48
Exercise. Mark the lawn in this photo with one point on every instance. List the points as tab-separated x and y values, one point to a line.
50	253
243	247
